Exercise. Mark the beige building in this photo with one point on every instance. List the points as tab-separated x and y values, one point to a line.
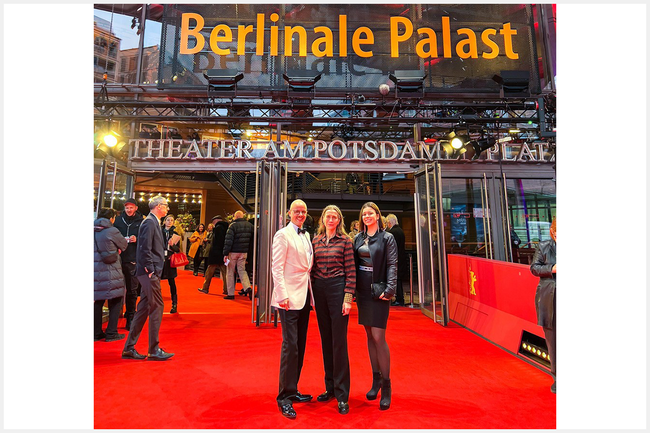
129	61
107	47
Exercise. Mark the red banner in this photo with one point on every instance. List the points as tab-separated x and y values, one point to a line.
495	299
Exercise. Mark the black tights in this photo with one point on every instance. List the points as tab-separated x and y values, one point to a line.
172	290
378	351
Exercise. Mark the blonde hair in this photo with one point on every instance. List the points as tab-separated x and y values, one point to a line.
340	227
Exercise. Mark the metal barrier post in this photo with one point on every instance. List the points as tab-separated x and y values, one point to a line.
411	278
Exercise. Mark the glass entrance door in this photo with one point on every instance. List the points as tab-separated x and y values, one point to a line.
432	263
272	198
113	184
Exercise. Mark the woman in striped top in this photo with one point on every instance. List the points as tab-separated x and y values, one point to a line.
333	283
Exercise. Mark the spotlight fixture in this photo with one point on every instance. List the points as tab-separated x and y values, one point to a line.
513	83
408	82
222	79
301	80
455	145
480	145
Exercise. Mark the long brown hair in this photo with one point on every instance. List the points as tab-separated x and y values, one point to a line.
373	206
340	227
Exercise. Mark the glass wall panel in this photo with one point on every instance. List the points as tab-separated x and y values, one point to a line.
531	208
465	217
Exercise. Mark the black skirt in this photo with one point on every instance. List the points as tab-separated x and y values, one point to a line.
372	312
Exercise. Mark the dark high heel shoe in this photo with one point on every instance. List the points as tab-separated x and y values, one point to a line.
173	310
376	385
384	403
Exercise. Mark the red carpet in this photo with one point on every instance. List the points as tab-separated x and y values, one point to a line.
225	375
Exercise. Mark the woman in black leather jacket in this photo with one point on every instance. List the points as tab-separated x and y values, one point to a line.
375	256
544	267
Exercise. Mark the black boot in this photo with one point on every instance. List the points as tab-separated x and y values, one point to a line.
376	384
384	403
173	310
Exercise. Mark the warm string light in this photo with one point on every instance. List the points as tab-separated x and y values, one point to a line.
142	196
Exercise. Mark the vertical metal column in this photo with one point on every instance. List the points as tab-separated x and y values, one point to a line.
442	256
255	285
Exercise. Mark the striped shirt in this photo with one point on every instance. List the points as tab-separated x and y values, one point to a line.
334	260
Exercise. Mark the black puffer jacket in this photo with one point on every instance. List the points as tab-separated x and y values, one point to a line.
542	267
383	252
238	237
109	280
218	238
129	225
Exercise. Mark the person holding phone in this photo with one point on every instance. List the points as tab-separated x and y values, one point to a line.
150	259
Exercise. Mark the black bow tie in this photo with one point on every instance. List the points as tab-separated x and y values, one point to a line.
302	230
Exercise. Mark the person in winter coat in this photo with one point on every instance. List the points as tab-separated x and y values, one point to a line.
375	256
195	249
128	223
402	262
172	245
215	257
109	280
544	267
235	248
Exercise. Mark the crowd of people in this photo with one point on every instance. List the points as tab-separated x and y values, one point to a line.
129	256
324	268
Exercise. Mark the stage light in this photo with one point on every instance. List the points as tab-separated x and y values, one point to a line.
476	147
457	143
301	80
408	82
110	140
513	83
222	79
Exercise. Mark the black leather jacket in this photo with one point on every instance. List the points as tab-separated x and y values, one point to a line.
383	252
542	266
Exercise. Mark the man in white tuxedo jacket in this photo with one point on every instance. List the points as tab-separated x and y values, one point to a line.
292	260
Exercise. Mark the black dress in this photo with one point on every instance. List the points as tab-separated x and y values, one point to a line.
372	312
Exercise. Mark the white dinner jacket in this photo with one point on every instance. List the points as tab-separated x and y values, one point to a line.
291	266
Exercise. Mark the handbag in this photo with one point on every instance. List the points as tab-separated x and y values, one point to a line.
376	289
178	259
108	257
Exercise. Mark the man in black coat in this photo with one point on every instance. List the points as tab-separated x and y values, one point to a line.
150	260
544	266
128	223
235	248
402	264
215	258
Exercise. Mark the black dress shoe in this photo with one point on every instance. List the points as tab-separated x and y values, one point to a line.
100	337
301	398
344	408
115	337
326	396
229	297
287	410
159	355
131	354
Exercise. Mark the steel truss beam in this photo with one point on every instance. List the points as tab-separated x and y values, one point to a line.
310	112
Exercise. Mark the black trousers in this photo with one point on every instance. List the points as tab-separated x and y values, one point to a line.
114	310
333	327
172	290
150	306
132	289
294	340
197	263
